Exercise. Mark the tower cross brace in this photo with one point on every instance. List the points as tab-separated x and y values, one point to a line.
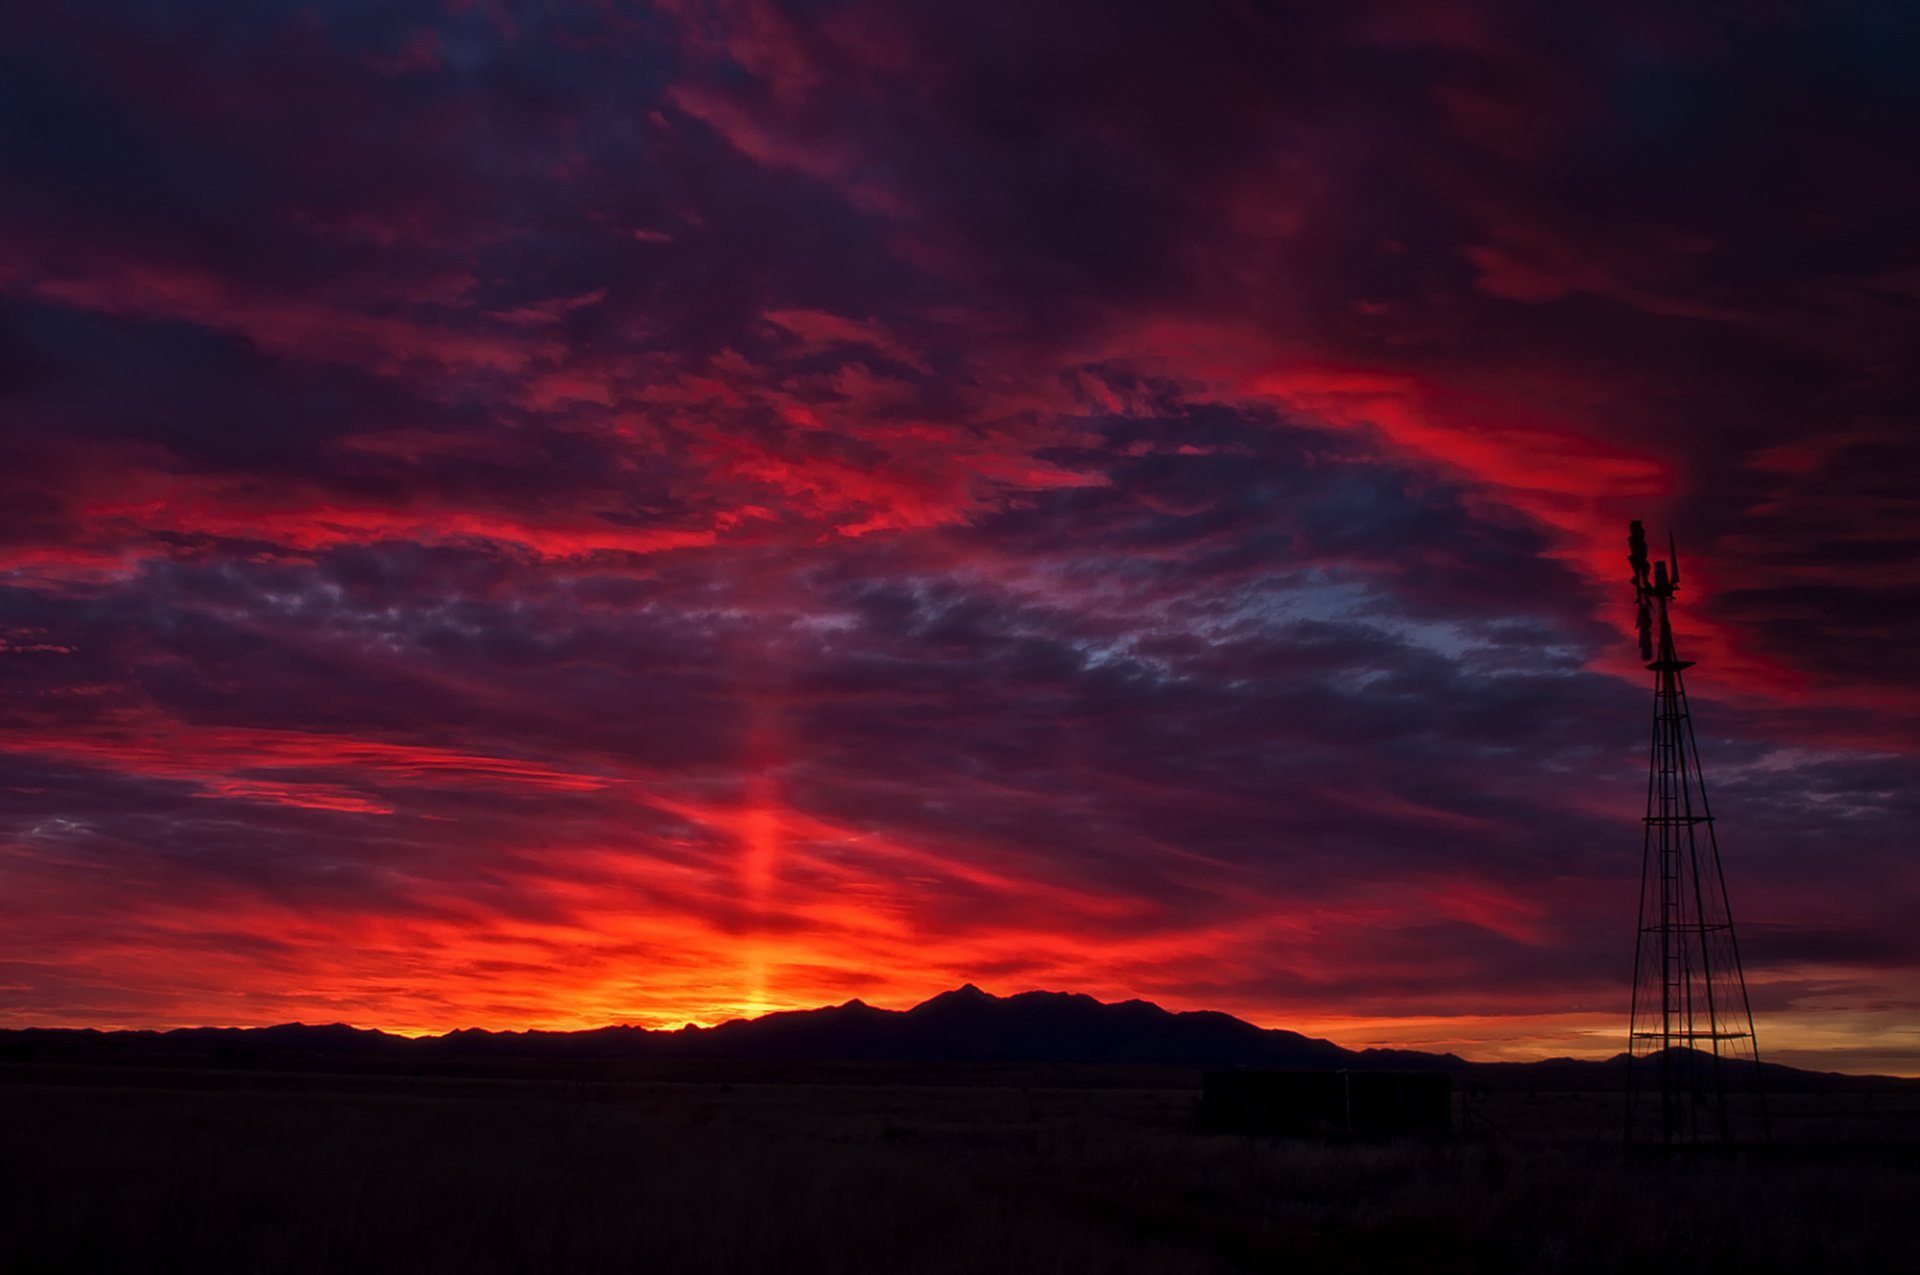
1692	1049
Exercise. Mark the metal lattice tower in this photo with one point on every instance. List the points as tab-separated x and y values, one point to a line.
1691	1026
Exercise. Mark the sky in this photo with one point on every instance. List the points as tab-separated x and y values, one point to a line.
549	514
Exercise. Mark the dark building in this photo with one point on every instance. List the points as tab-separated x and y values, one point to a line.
1310	1103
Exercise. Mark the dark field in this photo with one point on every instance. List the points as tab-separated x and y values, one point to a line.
956	1170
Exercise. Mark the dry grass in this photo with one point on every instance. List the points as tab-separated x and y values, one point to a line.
145	1172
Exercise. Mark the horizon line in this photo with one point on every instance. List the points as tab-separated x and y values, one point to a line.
1807	1059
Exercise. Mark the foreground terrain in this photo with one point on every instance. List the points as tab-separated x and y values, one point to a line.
892	1169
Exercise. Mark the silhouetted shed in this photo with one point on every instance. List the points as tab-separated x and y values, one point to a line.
1306	1103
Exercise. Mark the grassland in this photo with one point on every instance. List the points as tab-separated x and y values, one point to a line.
131	1169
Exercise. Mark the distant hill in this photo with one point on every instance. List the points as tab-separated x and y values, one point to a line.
966	1025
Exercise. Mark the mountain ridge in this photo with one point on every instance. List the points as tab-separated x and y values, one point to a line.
962	1026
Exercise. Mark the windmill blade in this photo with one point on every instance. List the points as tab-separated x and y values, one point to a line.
1673	556
1643	621
1637	553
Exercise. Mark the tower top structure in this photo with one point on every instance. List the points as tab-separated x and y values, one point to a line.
1654	585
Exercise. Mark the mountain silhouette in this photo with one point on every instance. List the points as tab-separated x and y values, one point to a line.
966	1025
969	1025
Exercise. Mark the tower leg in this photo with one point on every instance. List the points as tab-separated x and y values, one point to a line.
1690	1010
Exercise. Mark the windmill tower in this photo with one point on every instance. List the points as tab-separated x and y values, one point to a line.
1691	1044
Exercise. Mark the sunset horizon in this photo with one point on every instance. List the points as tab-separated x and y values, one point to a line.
544	516
1495	1043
